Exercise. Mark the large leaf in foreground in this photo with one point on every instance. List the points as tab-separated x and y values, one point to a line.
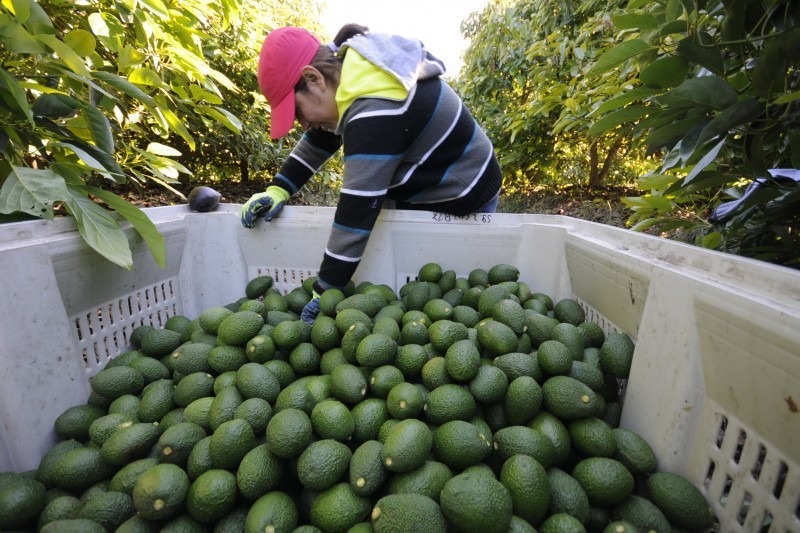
140	222
99	229
32	191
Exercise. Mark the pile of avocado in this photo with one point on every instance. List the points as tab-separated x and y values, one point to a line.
458	403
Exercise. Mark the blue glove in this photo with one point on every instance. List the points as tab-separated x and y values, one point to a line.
266	203
311	309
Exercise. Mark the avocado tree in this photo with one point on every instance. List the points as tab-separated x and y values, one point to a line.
522	78
95	95
246	152
716	95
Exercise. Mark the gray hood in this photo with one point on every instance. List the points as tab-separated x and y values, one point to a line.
406	59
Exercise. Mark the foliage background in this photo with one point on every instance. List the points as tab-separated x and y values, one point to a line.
678	105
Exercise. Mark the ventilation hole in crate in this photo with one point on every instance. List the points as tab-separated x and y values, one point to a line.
778	489
721	433
737	454
107	350
762	455
709	474
745	508
726	489
766	522
78	329
96	353
115	340
89	329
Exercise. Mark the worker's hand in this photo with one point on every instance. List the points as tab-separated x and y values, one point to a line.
311	309
267	203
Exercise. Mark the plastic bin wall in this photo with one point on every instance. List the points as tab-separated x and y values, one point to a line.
714	387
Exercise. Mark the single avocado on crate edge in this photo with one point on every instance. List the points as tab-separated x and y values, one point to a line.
204	199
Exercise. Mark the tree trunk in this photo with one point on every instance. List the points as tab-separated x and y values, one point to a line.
244	169
593	160
598	175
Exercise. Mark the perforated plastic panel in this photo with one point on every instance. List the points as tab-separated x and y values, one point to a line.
285	279
104	332
752	485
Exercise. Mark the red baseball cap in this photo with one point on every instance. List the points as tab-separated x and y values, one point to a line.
283	55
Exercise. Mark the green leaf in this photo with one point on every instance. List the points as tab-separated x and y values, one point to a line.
162	149
55	106
638	93
140	222
705	92
224	117
674	10
157	7
100	128
199	94
676	26
99	229
787	98
21	9
658	202
646	224
145	76
665	72
705	56
175	123
769	70
81	41
619	54
18	40
731	118
14	96
123	85
630	21
37	22
109	30
706	160
668	135
707	179
96	160
656	181
224	80
128	58
631	113
67	54
794	144
712	240
32	191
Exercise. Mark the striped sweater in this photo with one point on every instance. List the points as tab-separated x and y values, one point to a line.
423	152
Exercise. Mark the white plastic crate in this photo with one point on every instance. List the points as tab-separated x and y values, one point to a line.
714	387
